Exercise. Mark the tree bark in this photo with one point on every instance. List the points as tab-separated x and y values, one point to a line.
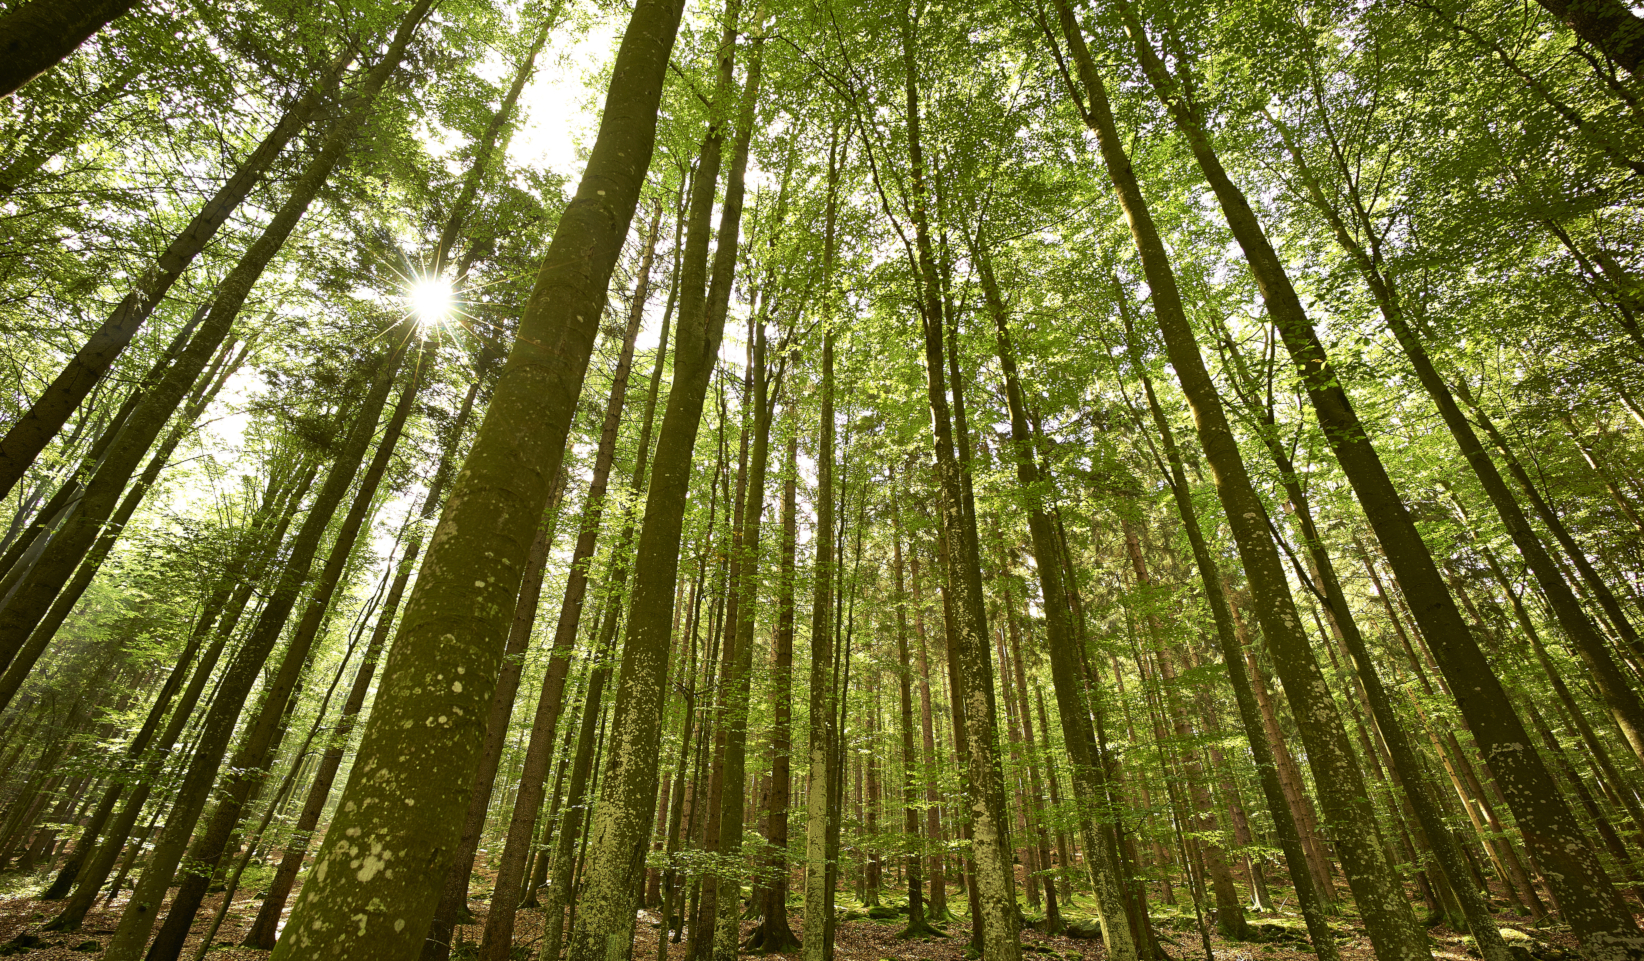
1608	25
617	837
419	740
774	934
821	767
453	906
38	35
499	927
973	667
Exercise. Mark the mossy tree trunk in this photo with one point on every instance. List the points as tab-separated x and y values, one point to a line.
380	870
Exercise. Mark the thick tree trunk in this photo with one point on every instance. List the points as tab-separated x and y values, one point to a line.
499	927
1411	775
617	838
1609	25
38	35
1623	701
266	726
453	906
419	742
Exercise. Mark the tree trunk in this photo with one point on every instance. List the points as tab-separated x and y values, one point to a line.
247	669
605	919
933	798
737	684
1595	911
1609	25
774	935
821	767
38	35
17	672
973	667
459	611
1412	776
1060	639
1389	920
1311	886
36	428
558	896
93	828
507	892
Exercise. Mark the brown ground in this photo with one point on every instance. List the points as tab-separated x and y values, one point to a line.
858	940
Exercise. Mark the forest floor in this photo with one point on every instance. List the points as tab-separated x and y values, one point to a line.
859	939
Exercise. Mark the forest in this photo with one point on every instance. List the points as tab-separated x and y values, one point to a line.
894	480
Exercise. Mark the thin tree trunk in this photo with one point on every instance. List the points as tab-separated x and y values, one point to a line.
918	925
36	428
774	934
933	799
558	896
69	546
737	684
17	672
1311	886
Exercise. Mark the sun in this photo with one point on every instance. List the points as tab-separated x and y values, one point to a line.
431	301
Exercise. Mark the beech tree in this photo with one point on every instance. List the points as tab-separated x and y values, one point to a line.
500	478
